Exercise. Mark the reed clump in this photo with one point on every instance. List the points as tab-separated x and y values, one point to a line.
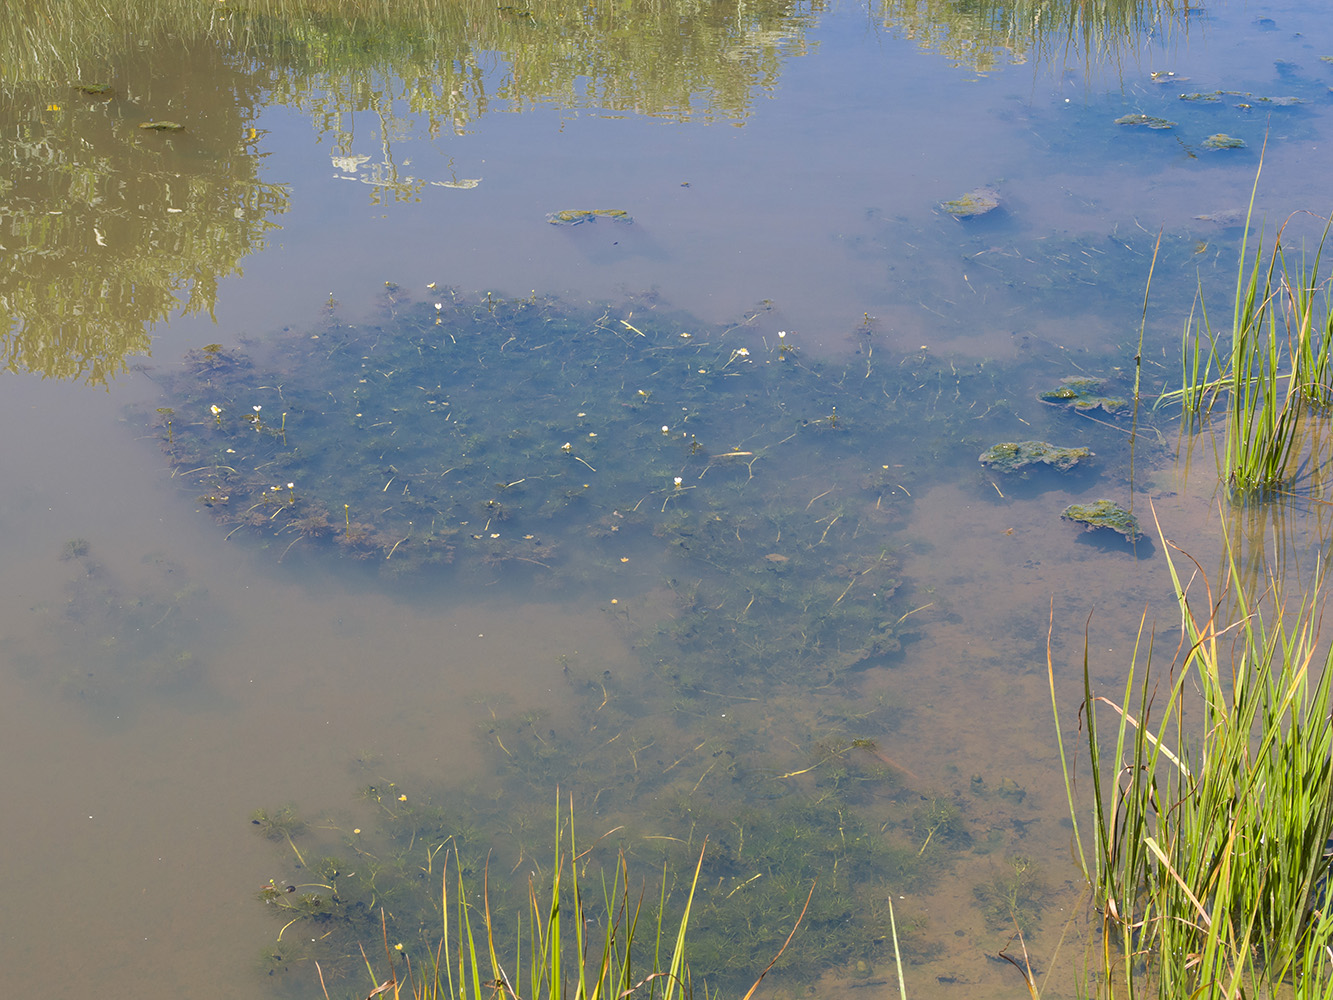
1209	853
563	944
1271	372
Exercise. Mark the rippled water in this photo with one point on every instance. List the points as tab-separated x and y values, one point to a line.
784	172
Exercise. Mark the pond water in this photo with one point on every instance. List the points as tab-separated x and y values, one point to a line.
341	475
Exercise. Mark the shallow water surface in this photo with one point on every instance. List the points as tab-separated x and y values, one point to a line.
779	602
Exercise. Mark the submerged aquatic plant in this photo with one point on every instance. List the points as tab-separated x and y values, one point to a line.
555	443
1209	850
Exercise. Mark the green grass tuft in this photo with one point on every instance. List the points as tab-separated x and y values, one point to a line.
1212	819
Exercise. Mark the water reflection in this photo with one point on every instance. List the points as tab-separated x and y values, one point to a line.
455	62
109	227
992	33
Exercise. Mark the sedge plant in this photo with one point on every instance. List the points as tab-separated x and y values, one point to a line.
560	946
1212	801
1270	370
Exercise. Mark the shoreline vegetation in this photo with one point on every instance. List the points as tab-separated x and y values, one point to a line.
1212	799
1270	371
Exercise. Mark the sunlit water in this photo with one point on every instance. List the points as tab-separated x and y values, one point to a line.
162	682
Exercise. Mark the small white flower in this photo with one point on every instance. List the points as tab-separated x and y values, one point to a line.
678	481
592	434
216	409
566	447
782	334
291	486
685	336
256	408
582	414
666	429
744	352
439	306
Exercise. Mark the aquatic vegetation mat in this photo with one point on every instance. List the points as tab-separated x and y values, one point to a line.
841	820
1147	120
567	446
1015	456
981	201
1105	514
119	638
744	501
1220	140
578	216
1083	392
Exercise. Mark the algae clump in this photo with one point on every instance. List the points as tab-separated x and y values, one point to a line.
577	216
1083	392
1104	514
974	203
1147	120
1223	141
1013	456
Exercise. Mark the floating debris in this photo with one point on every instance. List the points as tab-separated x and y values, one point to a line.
1014	456
162	126
1083	392
978	202
578	216
1104	514
1166	76
1147	120
1221	140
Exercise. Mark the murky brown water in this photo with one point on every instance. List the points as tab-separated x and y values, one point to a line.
163	683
